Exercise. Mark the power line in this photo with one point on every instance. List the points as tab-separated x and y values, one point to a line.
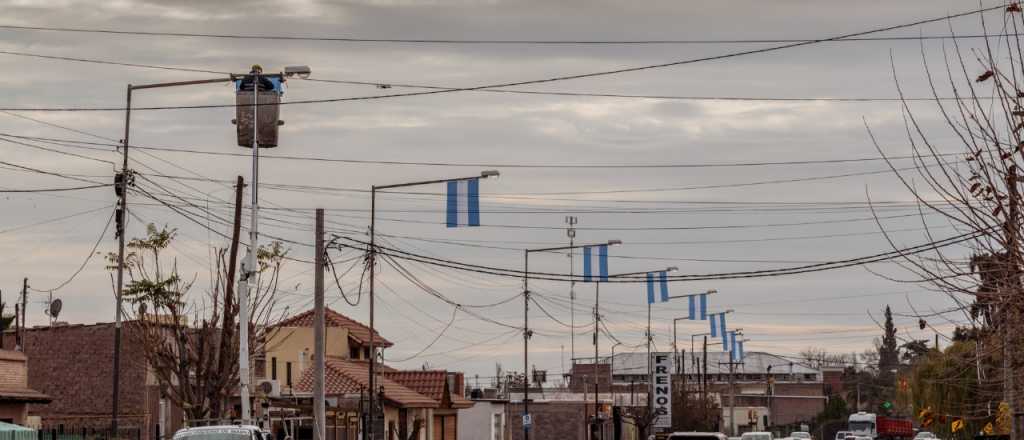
41	190
449	41
85	262
543	80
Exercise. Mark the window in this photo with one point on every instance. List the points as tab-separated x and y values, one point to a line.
353	352
273	368
288	373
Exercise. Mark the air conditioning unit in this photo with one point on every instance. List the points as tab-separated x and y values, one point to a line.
270	388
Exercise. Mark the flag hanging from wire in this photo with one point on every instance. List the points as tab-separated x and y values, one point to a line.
693	308
714	324
739	349
597	265
662	281
733	352
703	306
463	203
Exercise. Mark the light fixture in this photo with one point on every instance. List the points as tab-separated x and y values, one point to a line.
299	71
489	173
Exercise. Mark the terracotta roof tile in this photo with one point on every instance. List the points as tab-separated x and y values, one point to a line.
356	329
430	383
343	376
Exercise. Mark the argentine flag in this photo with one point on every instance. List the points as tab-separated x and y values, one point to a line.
739	350
463	203
703	299
721	328
592	265
718	328
662	283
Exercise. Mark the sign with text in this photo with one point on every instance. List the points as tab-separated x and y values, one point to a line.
661	368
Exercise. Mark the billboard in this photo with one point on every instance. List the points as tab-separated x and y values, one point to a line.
661	380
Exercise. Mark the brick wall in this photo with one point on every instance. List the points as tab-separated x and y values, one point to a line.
553	421
73	364
12	370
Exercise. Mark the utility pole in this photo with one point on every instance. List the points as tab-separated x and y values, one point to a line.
319	402
121	187
704	381
24	308
597	319
571	232
732	393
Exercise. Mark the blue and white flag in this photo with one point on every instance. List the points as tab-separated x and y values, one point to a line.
463	203
739	348
662	283
721	328
700	300
714	325
732	346
598	265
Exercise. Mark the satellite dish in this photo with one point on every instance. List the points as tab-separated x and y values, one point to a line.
55	307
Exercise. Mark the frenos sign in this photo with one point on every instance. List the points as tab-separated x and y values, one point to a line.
662	384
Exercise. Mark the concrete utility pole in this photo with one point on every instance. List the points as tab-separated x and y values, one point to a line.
732	394
320	351
571	232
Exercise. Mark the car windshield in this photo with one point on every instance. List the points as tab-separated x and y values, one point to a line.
756	436
925	435
214	434
800	435
861	426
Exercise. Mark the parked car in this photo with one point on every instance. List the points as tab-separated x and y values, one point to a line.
221	432
696	436
841	435
801	435
756	436
924	435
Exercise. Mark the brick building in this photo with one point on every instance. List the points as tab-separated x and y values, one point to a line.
72	364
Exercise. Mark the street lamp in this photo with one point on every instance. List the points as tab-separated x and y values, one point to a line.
527	422
121	181
369	432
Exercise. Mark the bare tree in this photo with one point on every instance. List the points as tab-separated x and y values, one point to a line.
975	188
191	344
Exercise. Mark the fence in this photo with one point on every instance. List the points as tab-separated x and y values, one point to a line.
75	433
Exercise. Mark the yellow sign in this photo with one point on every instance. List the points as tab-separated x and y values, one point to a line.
957	425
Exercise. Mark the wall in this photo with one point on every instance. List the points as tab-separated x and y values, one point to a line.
477	422
553	421
73	365
287	343
16	412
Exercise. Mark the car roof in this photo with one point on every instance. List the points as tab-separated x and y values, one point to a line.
202	429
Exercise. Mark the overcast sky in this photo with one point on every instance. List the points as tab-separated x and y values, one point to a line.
832	310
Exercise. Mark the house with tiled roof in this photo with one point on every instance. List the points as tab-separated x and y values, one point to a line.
422	405
444	387
289	345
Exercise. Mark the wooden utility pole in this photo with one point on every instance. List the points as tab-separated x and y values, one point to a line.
320	352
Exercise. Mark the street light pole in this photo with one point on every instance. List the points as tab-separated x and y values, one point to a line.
526	325
121	215
369	431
